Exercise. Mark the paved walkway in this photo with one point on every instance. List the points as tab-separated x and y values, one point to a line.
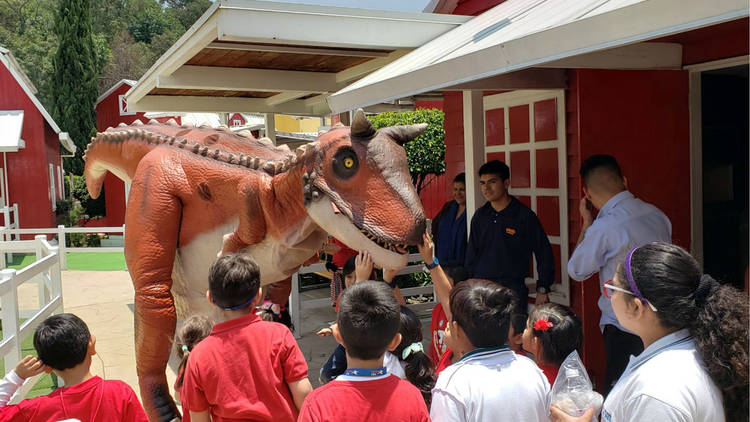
104	300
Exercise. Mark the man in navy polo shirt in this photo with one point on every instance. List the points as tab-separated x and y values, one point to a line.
504	233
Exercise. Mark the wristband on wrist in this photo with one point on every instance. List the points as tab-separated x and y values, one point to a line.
434	263
392	284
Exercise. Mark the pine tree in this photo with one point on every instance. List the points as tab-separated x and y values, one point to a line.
75	76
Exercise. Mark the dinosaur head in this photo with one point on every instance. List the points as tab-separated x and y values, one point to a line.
360	191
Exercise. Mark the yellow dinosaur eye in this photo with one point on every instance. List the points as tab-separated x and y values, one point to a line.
348	162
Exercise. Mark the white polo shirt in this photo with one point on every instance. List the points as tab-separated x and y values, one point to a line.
667	382
491	385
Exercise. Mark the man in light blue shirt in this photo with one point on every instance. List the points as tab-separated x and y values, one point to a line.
623	223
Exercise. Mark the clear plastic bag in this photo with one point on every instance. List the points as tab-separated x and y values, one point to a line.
573	392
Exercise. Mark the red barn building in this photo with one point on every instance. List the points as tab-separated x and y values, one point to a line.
111	110
32	172
661	85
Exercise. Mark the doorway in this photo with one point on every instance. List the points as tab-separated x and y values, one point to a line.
724	163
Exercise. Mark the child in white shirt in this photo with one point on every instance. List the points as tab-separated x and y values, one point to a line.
26	368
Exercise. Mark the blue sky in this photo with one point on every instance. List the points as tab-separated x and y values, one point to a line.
403	5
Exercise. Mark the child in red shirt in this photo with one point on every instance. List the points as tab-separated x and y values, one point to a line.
552	332
367	325
65	346
247	368
191	332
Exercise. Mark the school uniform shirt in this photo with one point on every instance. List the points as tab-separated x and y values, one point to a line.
501	243
665	383
623	223
385	398
93	400
242	371
488	385
394	365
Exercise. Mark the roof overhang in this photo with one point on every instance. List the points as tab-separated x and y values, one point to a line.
113	88
522	44
266	57
11	122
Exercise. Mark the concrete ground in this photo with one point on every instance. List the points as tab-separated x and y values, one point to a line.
104	300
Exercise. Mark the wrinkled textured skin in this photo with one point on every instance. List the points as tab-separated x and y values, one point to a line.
197	192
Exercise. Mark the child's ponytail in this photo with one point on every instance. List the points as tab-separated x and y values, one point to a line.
419	368
191	332
715	315
720	334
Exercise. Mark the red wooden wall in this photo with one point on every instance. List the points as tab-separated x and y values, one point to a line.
28	169
108	115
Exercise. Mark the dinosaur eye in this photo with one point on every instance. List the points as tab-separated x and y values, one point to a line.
345	163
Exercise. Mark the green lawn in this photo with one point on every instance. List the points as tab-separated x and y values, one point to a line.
86	261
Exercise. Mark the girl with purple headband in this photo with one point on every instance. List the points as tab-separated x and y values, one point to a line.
695	332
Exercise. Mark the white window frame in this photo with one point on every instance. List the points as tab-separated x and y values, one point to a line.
560	293
123	110
52	190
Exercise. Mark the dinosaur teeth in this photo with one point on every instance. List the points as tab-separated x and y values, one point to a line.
255	163
216	153
196	147
204	151
316	195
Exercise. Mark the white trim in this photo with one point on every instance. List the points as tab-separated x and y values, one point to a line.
718	64
561	292
519	42
114	88
124	110
20	78
242	79
195	104
474	151
696	146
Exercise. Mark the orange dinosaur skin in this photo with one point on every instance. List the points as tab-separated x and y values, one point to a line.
196	192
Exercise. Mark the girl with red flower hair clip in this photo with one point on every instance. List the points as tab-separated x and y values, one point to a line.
552	332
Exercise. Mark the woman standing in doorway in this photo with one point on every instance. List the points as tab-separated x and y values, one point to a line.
449	237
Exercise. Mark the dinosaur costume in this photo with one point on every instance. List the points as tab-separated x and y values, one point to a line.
197	192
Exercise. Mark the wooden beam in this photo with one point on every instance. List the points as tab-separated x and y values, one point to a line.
360	70
384	107
522	79
192	104
285	97
296	50
241	79
271	127
316	99
647	55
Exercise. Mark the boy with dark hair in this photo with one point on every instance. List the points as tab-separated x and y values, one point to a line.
65	346
488	382
247	368
367	325
504	233
623	223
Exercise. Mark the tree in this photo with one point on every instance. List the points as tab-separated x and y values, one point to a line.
426	154
186	11
75	77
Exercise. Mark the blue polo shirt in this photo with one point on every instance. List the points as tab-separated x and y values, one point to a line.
501	243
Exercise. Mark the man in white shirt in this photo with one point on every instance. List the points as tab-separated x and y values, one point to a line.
623	223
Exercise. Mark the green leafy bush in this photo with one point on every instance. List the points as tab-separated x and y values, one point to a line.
426	154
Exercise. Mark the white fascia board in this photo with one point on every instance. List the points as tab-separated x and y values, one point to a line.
362	69
242	79
20	77
285	97
287	23
66	142
194	104
202	33
627	25
113	88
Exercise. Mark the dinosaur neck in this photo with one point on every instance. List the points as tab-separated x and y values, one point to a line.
287	188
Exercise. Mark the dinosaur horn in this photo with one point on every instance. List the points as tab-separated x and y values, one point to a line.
361	127
405	133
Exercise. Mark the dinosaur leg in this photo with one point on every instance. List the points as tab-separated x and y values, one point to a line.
152	225
251	228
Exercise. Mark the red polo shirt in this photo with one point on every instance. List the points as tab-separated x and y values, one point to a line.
242	371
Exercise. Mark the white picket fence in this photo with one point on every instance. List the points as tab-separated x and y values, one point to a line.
298	306
62	232
45	272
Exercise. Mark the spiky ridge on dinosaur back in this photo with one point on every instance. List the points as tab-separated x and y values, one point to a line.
210	146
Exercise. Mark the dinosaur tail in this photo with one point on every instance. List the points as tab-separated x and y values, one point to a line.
118	151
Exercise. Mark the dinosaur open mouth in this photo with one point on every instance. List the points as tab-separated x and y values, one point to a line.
393	247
